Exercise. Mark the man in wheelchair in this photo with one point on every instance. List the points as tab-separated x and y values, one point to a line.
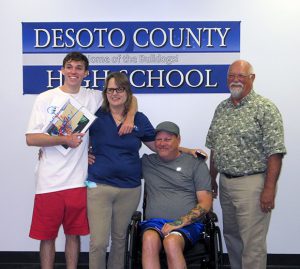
179	195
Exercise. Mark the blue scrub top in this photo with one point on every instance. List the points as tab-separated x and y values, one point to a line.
117	157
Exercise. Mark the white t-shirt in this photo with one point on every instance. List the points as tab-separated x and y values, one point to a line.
56	171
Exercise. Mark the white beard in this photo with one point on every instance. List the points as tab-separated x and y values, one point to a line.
236	89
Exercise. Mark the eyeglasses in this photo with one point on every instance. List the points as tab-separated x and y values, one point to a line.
242	77
118	90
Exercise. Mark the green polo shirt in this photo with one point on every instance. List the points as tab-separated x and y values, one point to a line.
244	136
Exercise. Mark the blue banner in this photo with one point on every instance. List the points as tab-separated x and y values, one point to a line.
158	57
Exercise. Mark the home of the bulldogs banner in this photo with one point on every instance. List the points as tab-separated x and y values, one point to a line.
158	57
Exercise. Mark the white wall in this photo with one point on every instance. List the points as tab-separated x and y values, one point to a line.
269	40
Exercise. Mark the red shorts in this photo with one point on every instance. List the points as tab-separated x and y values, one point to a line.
51	210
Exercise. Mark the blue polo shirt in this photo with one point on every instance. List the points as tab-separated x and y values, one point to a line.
117	157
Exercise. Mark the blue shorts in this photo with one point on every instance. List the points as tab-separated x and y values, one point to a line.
191	232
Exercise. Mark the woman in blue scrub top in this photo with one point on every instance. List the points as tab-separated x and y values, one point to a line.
114	179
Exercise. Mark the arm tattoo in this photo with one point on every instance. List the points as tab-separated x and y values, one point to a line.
195	214
176	222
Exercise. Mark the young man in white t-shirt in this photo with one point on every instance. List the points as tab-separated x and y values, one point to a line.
60	192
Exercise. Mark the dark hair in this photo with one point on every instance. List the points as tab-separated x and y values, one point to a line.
121	81
76	56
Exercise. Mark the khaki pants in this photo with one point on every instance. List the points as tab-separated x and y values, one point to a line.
245	226
109	212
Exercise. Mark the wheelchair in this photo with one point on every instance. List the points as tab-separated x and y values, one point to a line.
206	253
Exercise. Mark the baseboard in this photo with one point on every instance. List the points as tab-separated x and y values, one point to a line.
277	260
284	259
31	257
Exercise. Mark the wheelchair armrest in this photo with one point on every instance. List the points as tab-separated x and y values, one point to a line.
137	216
211	216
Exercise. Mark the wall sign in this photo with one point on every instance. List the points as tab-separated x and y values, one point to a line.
158	57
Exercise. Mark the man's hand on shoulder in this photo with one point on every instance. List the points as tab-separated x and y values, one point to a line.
127	126
197	153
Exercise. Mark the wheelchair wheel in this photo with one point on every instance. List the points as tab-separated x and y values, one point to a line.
218	249
128	251
131	257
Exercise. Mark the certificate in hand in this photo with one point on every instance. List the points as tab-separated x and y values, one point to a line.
71	118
